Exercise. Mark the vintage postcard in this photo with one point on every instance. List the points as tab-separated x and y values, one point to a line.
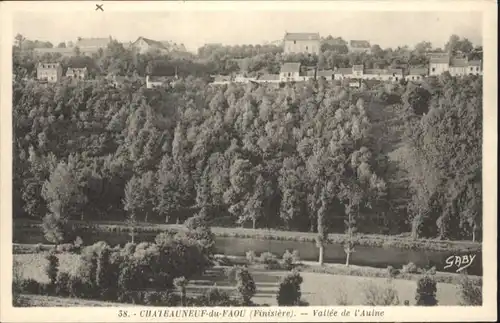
274	161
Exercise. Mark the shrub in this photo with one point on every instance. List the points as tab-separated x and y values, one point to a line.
53	228
163	238
288	260
216	297
296	256
269	260
392	272
411	268
245	285
27	286
153	298
250	256
471	292
62	284
38	248
426	291
65	247
52	267
376	295
289	292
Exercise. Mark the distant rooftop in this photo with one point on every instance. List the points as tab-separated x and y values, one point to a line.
93	42
302	36
359	43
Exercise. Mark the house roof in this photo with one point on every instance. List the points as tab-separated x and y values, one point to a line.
92	42
475	63
418	71
343	70
151	42
302	36
359	43
458	62
325	73
375	71
290	68
71	69
46	65
158	78
358	68
440	59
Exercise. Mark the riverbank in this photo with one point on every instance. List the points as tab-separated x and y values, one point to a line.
402	241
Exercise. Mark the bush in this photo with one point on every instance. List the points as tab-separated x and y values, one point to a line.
250	256
289	292
411	268
52	267
376	295
426	291
288	260
216	297
62	284
269	260
38	248
163	238
471	292
27	286
245	285
392	272
65	247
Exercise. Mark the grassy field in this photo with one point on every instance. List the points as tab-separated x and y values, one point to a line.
50	301
317	289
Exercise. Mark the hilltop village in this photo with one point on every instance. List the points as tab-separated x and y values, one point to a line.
301	57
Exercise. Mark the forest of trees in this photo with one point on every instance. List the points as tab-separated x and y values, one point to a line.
317	157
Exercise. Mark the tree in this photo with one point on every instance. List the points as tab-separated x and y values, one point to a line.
132	203
61	45
245	285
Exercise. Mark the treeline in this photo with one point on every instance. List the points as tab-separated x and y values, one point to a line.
315	157
219	59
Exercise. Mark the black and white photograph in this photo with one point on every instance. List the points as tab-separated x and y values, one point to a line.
170	162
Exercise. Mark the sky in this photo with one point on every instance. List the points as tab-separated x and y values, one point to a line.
195	28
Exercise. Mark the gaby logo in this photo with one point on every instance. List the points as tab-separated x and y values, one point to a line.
460	262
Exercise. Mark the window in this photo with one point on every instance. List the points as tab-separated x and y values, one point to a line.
477	69
307	48
433	69
294	42
413	77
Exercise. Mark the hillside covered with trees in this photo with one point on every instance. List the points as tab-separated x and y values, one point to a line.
317	157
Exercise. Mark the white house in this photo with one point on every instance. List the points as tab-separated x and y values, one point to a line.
290	72
155	81
439	64
50	72
77	73
302	43
475	67
417	74
458	66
